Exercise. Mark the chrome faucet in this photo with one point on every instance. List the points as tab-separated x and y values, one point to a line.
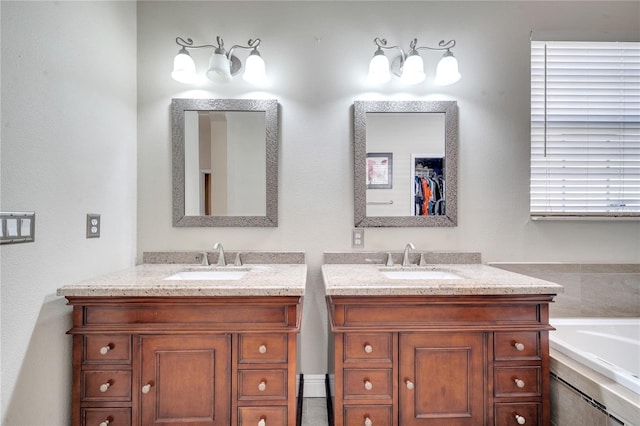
405	256
221	261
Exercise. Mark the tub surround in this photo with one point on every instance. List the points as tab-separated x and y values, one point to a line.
467	351
151	351
596	393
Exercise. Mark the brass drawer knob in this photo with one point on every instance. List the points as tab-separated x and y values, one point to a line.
521	420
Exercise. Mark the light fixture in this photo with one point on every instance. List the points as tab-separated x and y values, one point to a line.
223	65
410	67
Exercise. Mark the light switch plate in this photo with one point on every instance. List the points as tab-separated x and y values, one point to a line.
17	227
93	225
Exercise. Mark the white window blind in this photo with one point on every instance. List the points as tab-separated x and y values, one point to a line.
585	129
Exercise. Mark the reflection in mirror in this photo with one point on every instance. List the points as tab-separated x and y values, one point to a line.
405	163
225	162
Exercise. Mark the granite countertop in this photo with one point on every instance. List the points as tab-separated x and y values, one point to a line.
476	279
149	280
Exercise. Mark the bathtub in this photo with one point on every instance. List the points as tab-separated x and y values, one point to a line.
610	346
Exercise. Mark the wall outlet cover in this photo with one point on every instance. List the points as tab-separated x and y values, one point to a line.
93	225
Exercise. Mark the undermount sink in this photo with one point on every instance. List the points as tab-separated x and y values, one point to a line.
413	274
223	275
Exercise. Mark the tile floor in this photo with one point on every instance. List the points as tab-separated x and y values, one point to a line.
314	412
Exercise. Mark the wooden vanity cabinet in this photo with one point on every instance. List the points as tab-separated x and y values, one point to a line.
440	360
184	361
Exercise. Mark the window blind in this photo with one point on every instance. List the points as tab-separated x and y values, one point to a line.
585	129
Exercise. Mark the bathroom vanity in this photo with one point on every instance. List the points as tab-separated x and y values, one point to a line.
203	348
448	344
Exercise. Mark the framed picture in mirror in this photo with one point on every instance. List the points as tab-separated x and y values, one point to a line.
379	170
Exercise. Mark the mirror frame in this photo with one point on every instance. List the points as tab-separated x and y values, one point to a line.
270	107
360	110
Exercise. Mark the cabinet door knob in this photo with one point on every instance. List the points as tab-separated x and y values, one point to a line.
368	385
368	421
409	384
521	420
106	421
105	349
105	386
262	386
519	383
368	348
262	349
262	422
519	346
146	388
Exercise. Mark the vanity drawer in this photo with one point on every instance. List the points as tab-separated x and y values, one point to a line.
107	348
106	385
517	381
262	348
517	345
368	383
99	416
508	414
368	347
368	415
270	416
262	384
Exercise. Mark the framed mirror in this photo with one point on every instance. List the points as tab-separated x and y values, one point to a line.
225	162
405	163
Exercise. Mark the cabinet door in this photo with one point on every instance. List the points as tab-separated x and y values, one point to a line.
185	380
442	379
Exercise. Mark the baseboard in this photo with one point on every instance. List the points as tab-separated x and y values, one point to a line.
314	386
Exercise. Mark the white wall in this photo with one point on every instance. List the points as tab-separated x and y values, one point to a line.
317	55
68	149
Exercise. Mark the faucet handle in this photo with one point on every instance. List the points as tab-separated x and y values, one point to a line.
422	262
205	259
238	261
389	260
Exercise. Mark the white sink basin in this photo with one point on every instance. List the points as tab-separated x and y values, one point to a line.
208	275
420	275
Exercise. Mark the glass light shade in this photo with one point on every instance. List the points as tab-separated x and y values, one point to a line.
184	69
254	69
219	67
447	70
379	68
413	69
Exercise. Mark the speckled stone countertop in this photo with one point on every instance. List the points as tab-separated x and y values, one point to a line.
149	280
476	279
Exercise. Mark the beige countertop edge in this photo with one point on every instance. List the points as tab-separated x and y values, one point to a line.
477	279
148	280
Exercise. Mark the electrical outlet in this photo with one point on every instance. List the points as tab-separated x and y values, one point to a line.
93	226
357	238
